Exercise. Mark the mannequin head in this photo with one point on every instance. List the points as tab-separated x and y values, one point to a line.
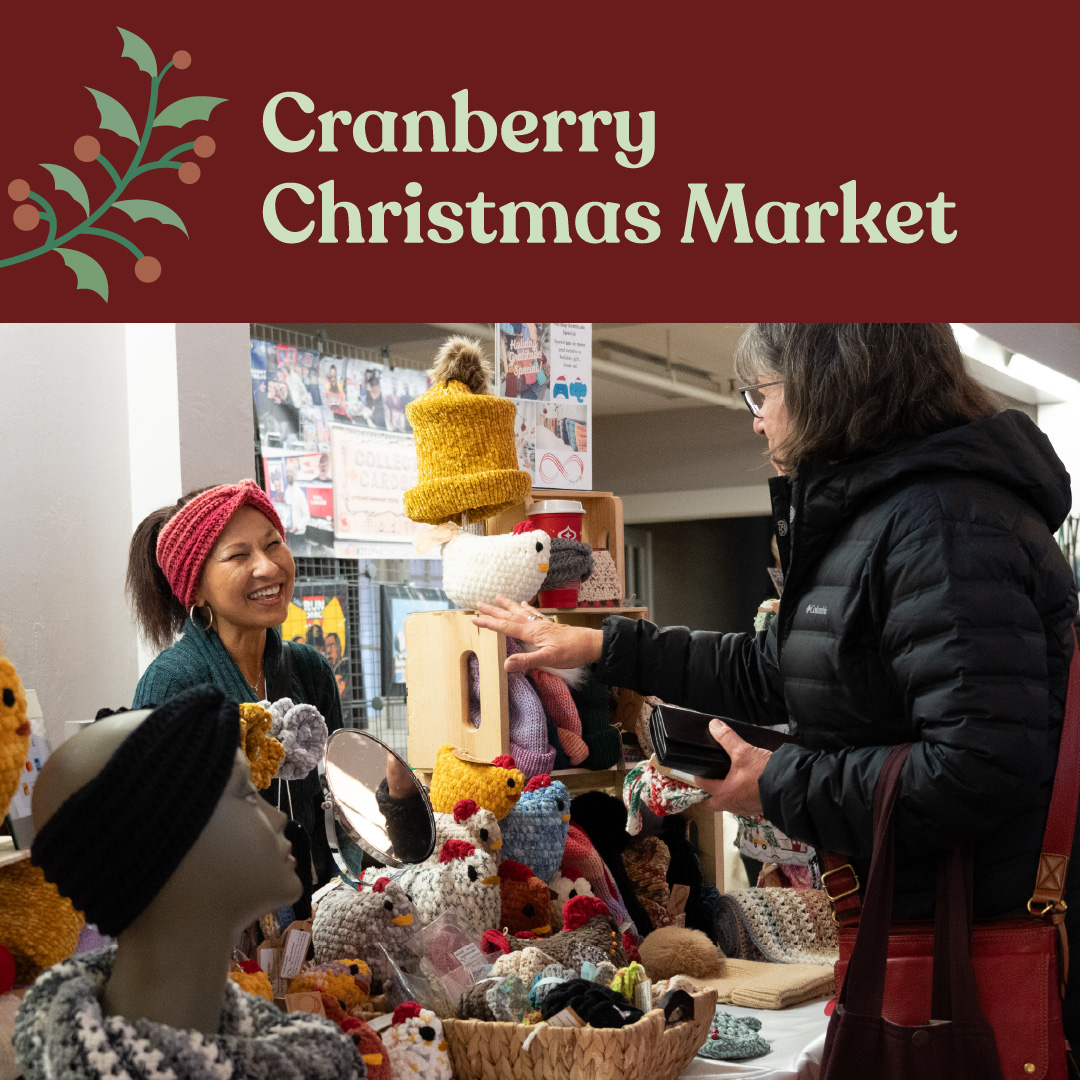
239	867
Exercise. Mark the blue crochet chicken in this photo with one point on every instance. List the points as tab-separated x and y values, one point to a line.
534	832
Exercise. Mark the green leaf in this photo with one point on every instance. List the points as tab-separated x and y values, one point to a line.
88	272
185	110
66	180
137	209
139	51
114	117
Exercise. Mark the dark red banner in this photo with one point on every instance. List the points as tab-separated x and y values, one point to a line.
689	162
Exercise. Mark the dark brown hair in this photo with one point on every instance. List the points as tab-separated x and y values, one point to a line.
858	388
159	614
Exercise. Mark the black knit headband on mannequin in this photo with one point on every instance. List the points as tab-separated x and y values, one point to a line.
115	842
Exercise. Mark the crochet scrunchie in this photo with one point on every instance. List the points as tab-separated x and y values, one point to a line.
187	537
264	753
301	730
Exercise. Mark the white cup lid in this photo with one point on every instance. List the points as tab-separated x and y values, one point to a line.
557	506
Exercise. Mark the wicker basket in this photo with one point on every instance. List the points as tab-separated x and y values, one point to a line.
483	1050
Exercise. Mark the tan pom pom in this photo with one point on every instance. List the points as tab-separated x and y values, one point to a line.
461	358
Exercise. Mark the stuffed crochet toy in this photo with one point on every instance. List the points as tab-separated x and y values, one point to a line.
526	900
532	752
558	704
495	787
477	569
462	879
253	980
351	922
588	934
416	1046
466	461
347	981
534	832
14	731
581	859
370	1047
264	753
646	787
563	889
301	730
473	824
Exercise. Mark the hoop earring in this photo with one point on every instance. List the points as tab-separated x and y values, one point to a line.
210	622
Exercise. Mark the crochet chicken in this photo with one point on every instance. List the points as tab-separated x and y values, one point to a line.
526	900
495	787
462	879
477	569
535	831
14	731
416	1045
346	981
565	887
353	922
473	824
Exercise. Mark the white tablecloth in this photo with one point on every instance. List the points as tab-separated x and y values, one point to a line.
796	1035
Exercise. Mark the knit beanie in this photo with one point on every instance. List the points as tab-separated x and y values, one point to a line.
581	859
593	700
529	746
534	832
115	842
465	455
187	537
559	706
495	786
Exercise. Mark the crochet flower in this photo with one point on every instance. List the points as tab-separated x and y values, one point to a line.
264	753
301	730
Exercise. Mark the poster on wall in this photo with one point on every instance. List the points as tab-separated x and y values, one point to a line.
301	488
546	369
369	395
317	618
398	602
372	471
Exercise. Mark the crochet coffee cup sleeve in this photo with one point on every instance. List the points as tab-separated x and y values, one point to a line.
114	843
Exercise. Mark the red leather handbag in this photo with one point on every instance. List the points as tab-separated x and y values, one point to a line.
1020	963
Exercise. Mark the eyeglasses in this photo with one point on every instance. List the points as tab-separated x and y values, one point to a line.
753	396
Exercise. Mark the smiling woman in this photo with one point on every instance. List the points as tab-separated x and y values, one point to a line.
214	569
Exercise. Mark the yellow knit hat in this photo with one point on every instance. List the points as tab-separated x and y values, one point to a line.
465	456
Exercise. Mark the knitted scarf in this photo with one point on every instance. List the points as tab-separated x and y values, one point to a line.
60	1032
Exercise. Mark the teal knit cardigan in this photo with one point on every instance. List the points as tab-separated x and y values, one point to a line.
201	657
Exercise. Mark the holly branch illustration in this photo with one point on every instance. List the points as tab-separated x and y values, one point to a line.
35	208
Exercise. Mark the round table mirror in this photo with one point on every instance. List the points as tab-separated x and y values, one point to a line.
377	804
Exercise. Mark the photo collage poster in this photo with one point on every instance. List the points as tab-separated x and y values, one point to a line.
317	617
546	370
301	395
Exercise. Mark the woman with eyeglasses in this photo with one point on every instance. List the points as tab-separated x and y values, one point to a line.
925	601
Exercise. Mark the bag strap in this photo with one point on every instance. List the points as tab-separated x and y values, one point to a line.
281	684
841	884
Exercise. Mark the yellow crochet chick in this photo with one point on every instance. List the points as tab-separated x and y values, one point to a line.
38	926
255	982
14	731
264	753
495	787
347	980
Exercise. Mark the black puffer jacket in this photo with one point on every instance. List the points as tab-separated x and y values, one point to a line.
925	600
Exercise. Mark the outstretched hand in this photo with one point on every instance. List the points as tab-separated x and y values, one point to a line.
558	645
738	791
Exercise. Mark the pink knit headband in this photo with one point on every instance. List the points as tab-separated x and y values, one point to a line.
185	541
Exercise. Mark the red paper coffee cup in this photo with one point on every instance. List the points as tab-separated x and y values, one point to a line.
559	517
564	597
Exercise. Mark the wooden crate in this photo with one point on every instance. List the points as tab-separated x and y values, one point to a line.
602	526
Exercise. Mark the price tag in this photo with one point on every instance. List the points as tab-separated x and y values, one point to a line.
470	957
566	1018
464	755
305	1002
295	953
643	996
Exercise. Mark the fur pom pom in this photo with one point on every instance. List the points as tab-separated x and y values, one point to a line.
461	358
573	677
673	950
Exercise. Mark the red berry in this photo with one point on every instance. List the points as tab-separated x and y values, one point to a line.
19	190
204	146
189	172
87	148
26	217
181	59
148	269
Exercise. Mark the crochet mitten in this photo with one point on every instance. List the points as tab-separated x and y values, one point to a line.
581	859
535	831
559	706
529	746
594	705
525	899
416	1046
645	786
734	1038
471	823
301	730
495	787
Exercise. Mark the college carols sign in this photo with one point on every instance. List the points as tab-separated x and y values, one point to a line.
291	125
